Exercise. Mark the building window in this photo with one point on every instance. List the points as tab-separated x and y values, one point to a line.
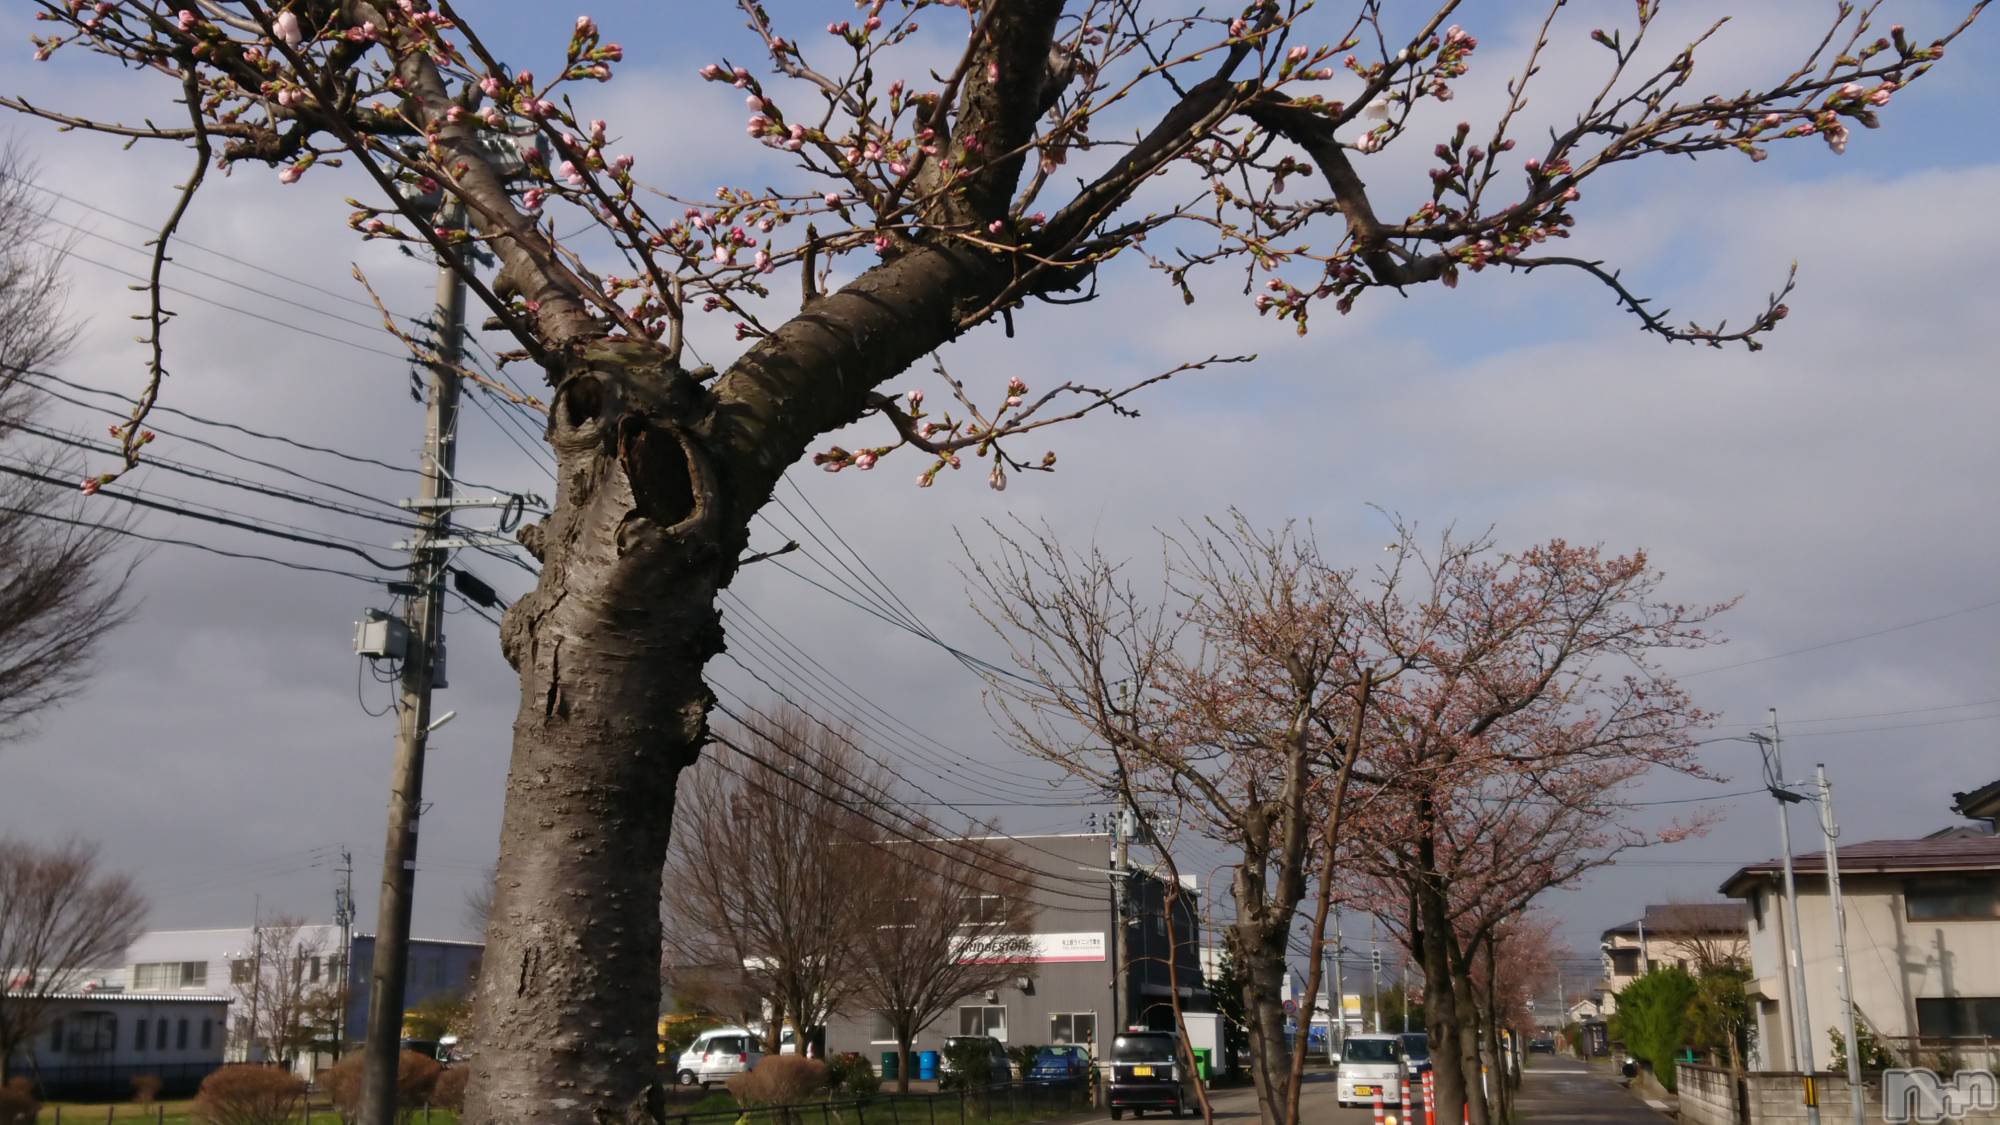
181	1036
984	910
92	1033
1624	962
159	1033
884	1031
1952	900
1073	1027
207	1034
139	1036
1957	1017
988	1019
242	970
55	1035
312	970
159	975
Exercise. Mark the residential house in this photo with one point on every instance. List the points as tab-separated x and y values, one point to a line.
1923	942
94	1041
1070	989
1689	935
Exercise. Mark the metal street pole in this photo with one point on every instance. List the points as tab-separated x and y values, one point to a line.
388	975
1802	1053
1845	979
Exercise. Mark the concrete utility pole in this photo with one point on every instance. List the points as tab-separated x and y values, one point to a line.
1774	780
1338	1040
1121	953
425	619
1846	979
343	915
1375	974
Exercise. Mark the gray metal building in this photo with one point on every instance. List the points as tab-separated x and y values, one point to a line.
1073	992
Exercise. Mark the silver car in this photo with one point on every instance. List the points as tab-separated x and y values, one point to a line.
1371	1066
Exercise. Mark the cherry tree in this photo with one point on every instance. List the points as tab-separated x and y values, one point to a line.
907	212
1518	701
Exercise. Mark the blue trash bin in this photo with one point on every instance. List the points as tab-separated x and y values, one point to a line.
927	1065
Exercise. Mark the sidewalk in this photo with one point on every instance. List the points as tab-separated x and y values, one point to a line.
1564	1091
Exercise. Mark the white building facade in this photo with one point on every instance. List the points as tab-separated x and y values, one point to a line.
94	1043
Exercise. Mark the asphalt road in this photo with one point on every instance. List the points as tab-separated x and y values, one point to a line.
1318	1106
1562	1091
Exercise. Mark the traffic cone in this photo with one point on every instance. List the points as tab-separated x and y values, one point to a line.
1430	1099
1378	1105
1406	1099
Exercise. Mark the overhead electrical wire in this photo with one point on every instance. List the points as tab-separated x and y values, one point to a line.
1870	635
261	435
138	500
172	542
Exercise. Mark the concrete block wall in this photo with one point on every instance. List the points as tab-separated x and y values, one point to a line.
1707	1095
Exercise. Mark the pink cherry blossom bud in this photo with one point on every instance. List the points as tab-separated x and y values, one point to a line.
757	124
763	261
91	486
997	478
532	198
586	26
755	103
711	72
1781	312
1297	55
881	244
721	252
996	226
187	20
765	224
489	85
290	173
623	162
611	52
1013	401
1236	28
1772	121
286	25
864	460
1368	142
455	114
741	76
1571	195
1836	139
916	398
572	174
1532	165
1851	90
1016	387
1037	219
897	168
872	23
832	198
1880	94
923	481
597	131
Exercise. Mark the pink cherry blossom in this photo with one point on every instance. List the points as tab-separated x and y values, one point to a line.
290	173
864	460
287	26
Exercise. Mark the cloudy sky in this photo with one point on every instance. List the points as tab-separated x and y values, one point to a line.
1834	480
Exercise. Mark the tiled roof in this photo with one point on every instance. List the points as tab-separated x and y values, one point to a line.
1981	803
1941	853
1684	918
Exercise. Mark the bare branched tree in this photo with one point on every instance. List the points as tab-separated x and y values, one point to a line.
765	872
61	589
950	918
60	918
290	990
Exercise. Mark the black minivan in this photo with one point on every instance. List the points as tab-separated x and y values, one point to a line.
1149	1070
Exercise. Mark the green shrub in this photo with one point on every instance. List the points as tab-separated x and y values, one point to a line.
848	1075
1023	1057
1652	1019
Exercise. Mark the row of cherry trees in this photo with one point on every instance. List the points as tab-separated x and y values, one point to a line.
934	165
1439	740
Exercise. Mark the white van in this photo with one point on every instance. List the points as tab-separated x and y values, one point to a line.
717	1054
1371	1065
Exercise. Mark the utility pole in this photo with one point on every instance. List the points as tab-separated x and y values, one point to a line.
1645	959
425	620
1375	974
1774	780
1121	955
1337	1042
1845	978
256	974
343	916
1403	982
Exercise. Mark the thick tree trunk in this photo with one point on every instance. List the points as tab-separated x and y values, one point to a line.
610	649
1442	1017
1262	957
1466	1006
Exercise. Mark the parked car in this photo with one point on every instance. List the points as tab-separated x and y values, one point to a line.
716	1055
1059	1064
1370	1065
1416	1054
1149	1070
999	1068
1541	1045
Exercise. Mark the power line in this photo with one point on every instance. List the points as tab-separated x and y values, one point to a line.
162	408
237	309
167	541
1845	640
225	521
219	478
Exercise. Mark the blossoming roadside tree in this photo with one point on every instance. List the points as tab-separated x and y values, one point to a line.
910	213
